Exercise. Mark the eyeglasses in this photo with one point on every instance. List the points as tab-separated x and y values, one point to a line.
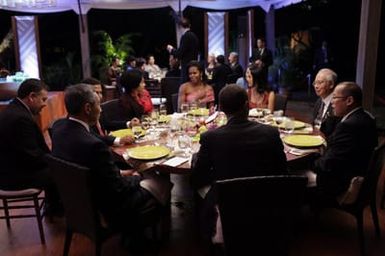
319	82
339	97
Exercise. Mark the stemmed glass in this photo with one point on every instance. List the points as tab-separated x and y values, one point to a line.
137	131
288	125
184	108
184	143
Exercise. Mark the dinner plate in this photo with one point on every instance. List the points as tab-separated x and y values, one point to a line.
125	132
258	112
148	152
199	112
297	125
164	118
304	141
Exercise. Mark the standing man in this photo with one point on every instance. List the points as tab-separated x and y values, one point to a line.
262	57
236	68
350	146
323	114
241	148
22	144
188	48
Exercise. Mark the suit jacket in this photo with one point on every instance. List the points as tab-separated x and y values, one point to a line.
329	120
219	80
22	147
347	154
240	148
237	72
116	113
188	48
116	195
108	139
266	57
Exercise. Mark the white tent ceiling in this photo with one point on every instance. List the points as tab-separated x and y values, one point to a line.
47	6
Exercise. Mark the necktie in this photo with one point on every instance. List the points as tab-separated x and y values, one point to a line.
320	112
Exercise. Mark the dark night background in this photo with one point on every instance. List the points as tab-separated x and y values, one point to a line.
59	32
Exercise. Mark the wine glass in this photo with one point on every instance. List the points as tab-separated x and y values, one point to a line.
288	125
184	108
162	110
137	131
146	120
184	143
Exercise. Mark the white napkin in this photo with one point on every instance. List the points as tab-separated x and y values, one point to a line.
176	161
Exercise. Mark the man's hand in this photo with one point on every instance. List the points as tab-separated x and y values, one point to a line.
169	47
126	140
134	122
126	173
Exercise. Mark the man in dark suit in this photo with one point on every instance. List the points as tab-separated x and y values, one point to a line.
22	145
97	129
236	68
262	57
121	200
241	148
188	48
323	114
350	146
221	73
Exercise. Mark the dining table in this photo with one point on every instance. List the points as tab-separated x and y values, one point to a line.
293	154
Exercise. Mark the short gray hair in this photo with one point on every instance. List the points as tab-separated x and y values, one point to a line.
76	96
330	75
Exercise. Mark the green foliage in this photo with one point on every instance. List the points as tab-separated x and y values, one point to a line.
103	49
62	73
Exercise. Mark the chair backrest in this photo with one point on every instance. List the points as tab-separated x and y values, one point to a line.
368	189
174	101
280	102
153	87
257	212
169	86
72	181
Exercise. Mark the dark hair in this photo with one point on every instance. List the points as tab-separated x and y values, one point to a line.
130	58
113	59
30	85
233	99
76	96
352	89
130	80
198	65
221	59
140	62
91	81
185	23
258	78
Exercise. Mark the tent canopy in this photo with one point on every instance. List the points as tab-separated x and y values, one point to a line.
49	6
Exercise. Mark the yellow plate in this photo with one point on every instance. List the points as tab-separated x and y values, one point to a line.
125	132
297	125
304	141
148	152
199	112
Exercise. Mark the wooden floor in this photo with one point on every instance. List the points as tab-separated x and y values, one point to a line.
333	234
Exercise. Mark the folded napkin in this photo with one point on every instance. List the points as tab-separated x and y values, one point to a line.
175	161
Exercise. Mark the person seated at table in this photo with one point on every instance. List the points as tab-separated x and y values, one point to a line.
22	145
241	148
98	129
123	202
220	75
113	71
174	64
145	98
259	93
349	147
127	110
323	116
196	89
140	65
152	69
130	63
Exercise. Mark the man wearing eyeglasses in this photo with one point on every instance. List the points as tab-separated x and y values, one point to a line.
349	147
323	116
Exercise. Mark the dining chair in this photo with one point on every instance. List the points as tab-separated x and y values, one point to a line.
169	86
81	215
257	213
23	199
367	196
280	102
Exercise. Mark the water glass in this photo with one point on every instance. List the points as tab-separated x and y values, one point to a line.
184	107
146	120
288	125
184	143
137	131
162	110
